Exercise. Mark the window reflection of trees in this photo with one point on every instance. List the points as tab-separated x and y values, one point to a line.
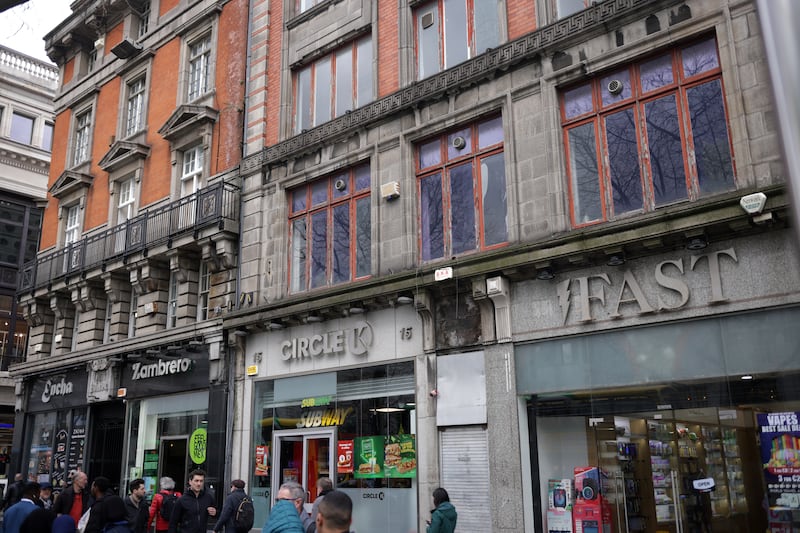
710	134
583	164
623	158
338	222
666	153
653	152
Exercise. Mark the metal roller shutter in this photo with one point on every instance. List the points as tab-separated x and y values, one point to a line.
464	463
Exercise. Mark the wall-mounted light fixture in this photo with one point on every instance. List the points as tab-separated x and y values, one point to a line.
698	242
275	325
544	271
615	259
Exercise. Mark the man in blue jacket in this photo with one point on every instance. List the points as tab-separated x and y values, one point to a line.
16	514
230	506
284	516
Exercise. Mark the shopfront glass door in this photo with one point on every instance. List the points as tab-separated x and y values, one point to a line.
303	457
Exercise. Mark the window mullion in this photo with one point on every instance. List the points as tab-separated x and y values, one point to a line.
447	203
477	195
689	155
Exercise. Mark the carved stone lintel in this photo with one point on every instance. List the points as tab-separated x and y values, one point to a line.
181	264
423	303
219	254
87	296
60	304
147	275
117	288
36	312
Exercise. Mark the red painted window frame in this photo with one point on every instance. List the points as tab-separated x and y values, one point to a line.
307	213
638	100
475	156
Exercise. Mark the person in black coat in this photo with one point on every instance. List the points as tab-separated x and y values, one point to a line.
232	502
66	500
101	489
14	492
192	510
136	507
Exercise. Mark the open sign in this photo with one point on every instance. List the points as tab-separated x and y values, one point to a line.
704	485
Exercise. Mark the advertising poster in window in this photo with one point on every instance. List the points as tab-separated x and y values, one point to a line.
400	456
780	455
57	478
344	463
262	460
369	457
76	442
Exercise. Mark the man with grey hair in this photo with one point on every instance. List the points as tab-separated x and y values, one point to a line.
324	486
163	503
284	517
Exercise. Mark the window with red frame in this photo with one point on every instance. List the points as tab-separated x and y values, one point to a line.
449	32
651	134
330	230
334	84
462	191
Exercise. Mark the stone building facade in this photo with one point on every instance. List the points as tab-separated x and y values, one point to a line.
126	374
489	163
26	135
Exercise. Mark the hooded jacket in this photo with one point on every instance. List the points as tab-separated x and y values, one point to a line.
283	518
443	519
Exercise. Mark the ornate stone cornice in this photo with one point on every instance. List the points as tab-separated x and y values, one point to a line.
581	26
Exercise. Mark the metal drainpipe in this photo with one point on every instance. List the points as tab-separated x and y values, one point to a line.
244	144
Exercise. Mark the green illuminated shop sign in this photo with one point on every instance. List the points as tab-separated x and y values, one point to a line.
197	446
319	401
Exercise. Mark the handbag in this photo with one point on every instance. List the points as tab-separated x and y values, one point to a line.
83	521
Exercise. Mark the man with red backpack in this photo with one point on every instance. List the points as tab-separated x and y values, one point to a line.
163	503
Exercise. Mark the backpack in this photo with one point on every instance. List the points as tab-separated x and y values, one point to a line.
167	505
244	516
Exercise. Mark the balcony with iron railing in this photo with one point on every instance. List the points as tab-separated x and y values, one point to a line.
216	205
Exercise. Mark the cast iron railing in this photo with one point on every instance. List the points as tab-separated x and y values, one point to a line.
209	206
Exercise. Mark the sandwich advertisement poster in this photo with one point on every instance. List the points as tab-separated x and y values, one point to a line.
378	457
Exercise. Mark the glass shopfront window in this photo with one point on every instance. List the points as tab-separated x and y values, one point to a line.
56	442
357	427
167	437
716	448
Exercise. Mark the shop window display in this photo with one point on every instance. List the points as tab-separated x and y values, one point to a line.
672	457
360	433
167	437
56	443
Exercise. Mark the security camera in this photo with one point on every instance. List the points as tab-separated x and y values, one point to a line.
434	393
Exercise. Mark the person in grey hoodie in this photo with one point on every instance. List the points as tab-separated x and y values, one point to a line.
443	517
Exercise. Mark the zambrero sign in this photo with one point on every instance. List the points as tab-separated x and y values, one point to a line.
160	368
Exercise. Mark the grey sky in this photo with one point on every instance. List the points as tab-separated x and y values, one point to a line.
23	27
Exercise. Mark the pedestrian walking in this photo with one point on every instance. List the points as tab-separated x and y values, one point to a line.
335	513
74	499
284	517
194	507
18	512
163	504
232	504
443	516
136	507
